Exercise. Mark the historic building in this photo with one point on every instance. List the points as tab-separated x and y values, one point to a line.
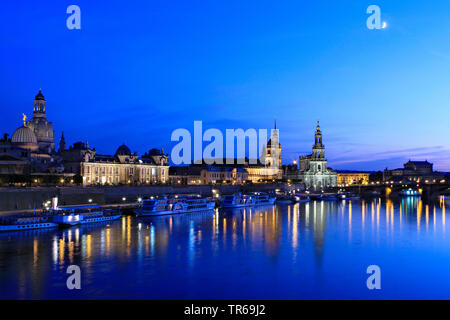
414	171
267	168
31	152
41	127
270	166
346	177
207	174
313	171
124	167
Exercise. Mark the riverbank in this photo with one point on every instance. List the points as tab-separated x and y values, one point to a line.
30	198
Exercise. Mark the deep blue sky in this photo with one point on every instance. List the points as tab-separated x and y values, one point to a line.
137	70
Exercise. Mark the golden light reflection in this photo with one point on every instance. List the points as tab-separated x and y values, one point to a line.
35	251
71	250
147	244
224	228
108	241
363	213
128	231
61	251
388	208
88	246
392	216
419	214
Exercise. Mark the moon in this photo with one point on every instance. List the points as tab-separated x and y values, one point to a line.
384	25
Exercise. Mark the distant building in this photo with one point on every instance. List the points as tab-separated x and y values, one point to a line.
270	168
207	174
266	168
414	171
352	177
313	171
290	172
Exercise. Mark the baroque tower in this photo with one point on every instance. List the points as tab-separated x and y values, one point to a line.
318	163
313	168
273	150
41	127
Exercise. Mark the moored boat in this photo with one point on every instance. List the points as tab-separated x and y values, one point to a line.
239	200
76	215
17	223
175	205
315	196
284	199
330	197
410	193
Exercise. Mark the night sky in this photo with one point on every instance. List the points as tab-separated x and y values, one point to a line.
137	70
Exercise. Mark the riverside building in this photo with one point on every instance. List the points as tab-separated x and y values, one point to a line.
30	156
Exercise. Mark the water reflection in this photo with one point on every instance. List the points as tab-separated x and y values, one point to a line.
137	254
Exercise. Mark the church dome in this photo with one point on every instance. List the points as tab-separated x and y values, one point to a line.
123	150
24	137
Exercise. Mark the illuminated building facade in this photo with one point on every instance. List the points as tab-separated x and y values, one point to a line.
414	171
124	167
352	178
313	171
208	174
270	169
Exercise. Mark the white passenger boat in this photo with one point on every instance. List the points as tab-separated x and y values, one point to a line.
175	204
76	215
410	193
239	200
16	223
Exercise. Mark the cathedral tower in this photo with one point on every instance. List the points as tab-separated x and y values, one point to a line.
318	147
273	150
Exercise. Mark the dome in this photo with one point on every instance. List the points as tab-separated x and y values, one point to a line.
123	150
24	137
155	152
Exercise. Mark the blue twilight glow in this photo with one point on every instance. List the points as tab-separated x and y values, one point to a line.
137	70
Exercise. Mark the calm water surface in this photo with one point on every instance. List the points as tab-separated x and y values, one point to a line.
303	251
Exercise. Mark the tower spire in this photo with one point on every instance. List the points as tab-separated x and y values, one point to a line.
62	143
